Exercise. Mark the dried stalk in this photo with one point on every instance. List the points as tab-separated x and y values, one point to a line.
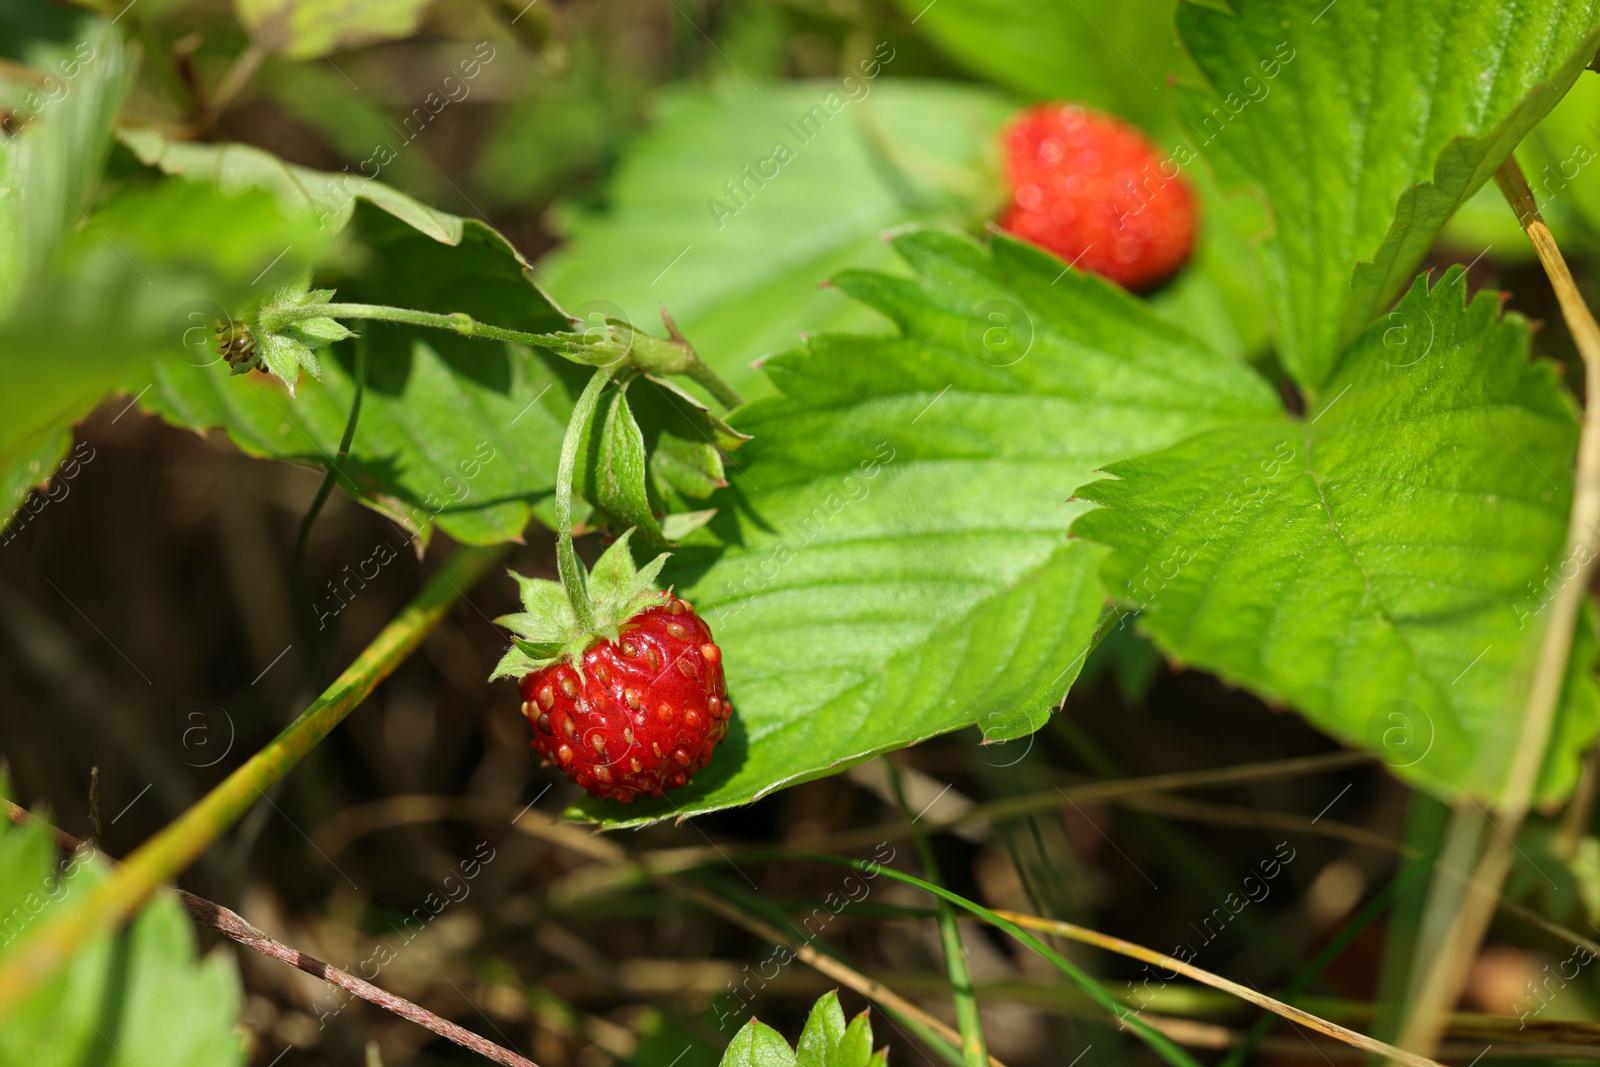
233	925
1442	982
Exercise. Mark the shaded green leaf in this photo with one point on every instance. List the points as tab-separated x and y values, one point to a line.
454	432
328	197
1382	564
891	560
1363	124
146	277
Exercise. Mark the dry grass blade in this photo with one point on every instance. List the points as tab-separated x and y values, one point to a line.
569	836
1442	982
1189	970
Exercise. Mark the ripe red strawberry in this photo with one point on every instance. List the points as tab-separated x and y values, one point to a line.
649	703
1097	193
645	713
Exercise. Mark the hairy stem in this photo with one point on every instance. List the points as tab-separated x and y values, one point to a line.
456	321
572	575
974	1049
1446	973
302	571
233	925
165	855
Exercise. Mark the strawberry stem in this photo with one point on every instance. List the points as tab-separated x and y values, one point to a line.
572	573
315	652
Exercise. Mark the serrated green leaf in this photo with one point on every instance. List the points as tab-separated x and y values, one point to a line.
1363	124
895	535
134	998
825	1042
1380	565
328	197
739	271
758	1045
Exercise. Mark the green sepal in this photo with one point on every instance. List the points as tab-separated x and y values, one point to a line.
681	524
285	345
547	632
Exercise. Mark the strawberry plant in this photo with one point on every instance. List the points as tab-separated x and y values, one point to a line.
579	529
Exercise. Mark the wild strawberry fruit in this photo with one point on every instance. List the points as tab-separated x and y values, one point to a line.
1097	193
635	705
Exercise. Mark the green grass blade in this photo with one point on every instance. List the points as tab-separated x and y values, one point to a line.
165	855
974	1049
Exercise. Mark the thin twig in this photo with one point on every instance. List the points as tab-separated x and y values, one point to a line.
306	605
236	927
161	858
244	68
1446	974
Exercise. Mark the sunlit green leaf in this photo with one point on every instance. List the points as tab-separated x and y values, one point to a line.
891	560
1363	124
1382	564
